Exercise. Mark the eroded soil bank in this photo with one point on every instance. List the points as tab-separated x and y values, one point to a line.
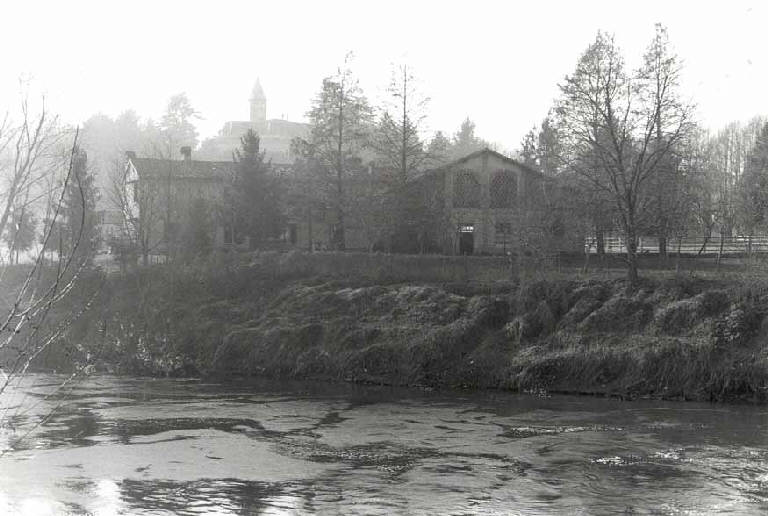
679	338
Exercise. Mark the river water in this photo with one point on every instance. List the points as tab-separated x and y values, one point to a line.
137	446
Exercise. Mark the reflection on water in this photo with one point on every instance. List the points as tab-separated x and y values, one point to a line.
137	446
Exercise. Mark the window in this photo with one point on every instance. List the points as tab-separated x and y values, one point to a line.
503	232
503	189
557	227
466	190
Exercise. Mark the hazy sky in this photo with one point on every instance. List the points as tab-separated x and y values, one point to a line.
497	62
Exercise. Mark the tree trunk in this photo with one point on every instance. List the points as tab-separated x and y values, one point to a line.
706	241
338	234
310	234
631	244
600	243
720	249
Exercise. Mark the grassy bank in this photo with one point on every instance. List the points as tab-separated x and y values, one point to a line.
284	315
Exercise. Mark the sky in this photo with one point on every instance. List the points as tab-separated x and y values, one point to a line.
498	63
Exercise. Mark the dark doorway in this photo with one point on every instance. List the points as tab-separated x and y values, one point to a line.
293	233
466	238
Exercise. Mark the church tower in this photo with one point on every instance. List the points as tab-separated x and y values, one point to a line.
258	108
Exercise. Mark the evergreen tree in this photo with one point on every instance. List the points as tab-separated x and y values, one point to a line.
540	148
340	119
438	149
76	229
255	194
196	232
529	152
548	149
465	141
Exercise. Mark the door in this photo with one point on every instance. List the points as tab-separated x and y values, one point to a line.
466	238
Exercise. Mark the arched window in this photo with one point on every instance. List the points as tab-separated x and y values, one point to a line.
466	190
503	189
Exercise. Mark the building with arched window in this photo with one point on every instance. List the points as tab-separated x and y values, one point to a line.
489	203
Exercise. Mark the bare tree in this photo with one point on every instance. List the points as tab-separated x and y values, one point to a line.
26	325
401	155
628	125
753	188
702	182
140	212
397	139
20	233
23	147
725	155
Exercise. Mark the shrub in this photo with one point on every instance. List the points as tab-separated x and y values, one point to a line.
736	328
713	301
620	313
524	328
579	311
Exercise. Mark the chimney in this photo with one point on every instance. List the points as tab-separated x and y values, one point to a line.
186	151
129	154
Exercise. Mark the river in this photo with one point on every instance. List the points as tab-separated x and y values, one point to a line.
141	446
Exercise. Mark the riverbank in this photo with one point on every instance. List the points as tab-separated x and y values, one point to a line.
678	339
675	338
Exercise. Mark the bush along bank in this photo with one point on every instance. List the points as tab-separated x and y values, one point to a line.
679	339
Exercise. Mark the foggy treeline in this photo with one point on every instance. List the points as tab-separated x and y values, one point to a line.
626	140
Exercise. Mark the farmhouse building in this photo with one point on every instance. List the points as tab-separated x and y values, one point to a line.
161	194
483	203
492	204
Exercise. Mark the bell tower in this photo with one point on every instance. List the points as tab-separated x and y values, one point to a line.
258	108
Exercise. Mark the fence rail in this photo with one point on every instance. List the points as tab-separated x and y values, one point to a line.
686	245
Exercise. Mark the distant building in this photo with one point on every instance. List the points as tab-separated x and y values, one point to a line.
110	226
482	203
161	193
312	220
488	203
275	134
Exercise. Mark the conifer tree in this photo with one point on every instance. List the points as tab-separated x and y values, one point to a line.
255	193
76	230
340	119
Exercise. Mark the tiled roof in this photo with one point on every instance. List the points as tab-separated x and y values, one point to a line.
454	163
182	169
493	153
278	126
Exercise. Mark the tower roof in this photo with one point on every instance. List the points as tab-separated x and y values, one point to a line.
257	93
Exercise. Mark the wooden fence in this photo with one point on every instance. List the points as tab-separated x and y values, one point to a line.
687	245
